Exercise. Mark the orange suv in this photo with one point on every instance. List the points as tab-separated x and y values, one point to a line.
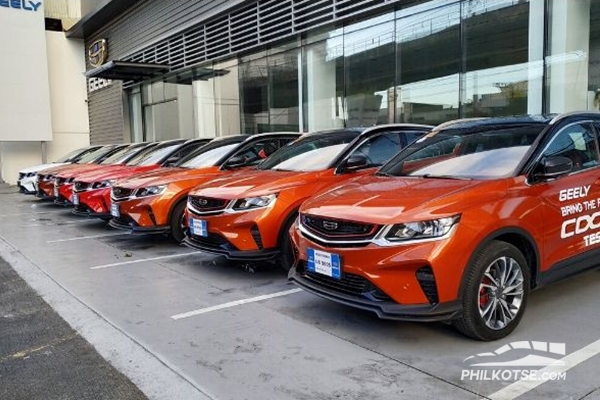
155	202
461	225
247	216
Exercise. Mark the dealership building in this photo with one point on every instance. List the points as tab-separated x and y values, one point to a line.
159	69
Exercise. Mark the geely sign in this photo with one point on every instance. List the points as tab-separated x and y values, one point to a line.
25	5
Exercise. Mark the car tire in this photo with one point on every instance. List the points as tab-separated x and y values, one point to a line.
494	292
287	259
176	222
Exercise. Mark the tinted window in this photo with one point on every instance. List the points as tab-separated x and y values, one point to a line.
255	152
74	155
380	148
95	155
486	154
576	142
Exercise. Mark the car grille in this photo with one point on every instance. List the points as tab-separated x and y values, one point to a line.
338	229
351	284
80	186
120	193
213	240
22	175
207	203
59	181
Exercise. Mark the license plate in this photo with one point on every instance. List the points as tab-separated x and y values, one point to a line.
55	191
75	199
198	227
114	210
324	263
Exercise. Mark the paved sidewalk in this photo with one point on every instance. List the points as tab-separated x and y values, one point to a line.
42	357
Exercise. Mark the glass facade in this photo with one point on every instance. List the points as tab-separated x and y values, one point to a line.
423	62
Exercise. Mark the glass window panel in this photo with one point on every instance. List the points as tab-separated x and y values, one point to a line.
428	62
369	69
283	92
495	51
254	84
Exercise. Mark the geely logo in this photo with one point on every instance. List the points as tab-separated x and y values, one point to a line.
203	202
97	53
330	225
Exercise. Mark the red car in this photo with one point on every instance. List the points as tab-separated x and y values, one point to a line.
91	191
63	181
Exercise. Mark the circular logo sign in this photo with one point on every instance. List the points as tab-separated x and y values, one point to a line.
97	53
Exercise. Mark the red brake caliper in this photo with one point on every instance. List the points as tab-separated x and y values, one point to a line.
484	296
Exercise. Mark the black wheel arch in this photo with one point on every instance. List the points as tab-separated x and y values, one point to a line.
519	238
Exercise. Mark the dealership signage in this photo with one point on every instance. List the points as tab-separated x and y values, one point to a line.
97	53
25	5
98	83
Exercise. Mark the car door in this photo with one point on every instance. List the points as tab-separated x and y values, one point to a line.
571	207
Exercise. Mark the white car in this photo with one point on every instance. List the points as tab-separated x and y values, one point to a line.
28	177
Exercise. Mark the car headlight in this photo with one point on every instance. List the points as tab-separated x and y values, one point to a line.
150	191
103	184
254	202
29	175
430	229
48	178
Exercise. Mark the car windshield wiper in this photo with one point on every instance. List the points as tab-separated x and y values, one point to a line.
431	176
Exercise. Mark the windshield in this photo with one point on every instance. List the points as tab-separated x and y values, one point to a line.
313	153
207	158
94	155
488	154
119	155
70	156
153	156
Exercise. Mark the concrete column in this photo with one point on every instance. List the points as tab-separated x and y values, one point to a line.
204	109
321	94
535	85
569	55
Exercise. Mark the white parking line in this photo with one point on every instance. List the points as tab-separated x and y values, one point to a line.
55	223
519	388
88	237
145	259
234	303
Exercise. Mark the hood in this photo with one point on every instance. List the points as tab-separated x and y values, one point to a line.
164	176
114	172
41	167
385	200
70	169
255	183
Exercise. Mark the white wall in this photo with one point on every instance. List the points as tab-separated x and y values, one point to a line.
24	93
68	108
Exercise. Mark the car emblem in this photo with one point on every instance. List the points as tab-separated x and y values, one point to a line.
203	202
117	192
97	53
330	225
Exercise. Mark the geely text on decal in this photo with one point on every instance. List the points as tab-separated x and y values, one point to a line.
461	225
21	4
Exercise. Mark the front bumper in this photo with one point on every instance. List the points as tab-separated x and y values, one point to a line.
126	223
65	195
84	211
28	185
220	246
385	309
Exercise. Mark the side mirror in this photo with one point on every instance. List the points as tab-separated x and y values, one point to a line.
554	166
235	162
356	162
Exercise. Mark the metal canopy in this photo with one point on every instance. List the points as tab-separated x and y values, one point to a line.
127	71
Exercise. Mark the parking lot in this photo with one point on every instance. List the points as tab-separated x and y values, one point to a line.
182	324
